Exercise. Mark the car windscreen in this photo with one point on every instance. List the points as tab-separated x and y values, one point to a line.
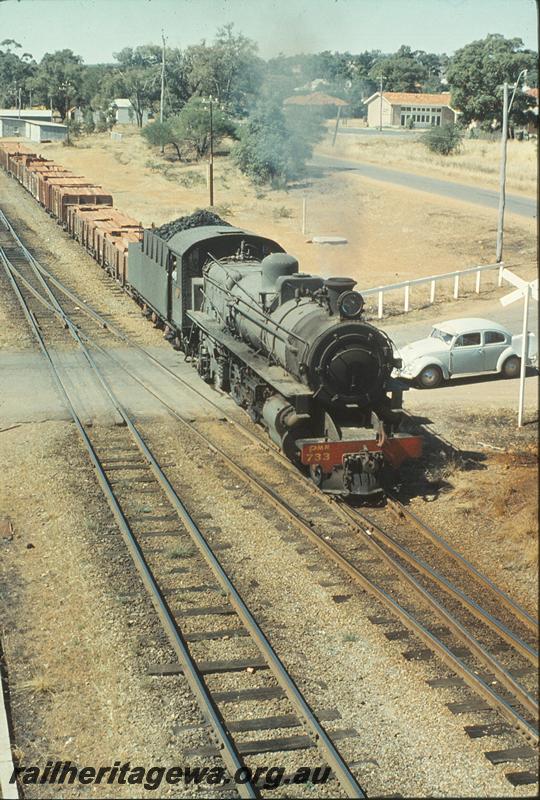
436	333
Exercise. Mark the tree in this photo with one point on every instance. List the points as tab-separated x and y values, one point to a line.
476	74
93	81
189	131
228	70
58	80
435	65
403	71
444	140
137	78
15	72
161	134
268	150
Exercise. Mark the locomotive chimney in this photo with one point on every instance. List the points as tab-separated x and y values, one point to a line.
335	287
275	266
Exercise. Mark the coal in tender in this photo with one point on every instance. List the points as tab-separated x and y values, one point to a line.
195	220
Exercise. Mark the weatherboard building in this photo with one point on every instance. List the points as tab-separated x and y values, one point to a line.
404	109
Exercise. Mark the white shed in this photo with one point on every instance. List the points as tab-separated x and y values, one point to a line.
11	126
125	113
45	131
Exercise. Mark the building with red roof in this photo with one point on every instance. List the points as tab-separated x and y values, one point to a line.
403	109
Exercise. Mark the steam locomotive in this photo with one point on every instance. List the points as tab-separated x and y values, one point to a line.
292	349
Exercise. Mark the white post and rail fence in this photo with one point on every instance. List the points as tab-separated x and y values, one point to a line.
456	277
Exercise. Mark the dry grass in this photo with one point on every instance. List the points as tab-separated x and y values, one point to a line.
477	162
507	496
39	684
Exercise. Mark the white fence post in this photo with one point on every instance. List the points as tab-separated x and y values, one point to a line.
406	303
432	292
456	287
380	309
477	286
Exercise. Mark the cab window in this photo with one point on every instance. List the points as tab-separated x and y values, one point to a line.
494	337
467	340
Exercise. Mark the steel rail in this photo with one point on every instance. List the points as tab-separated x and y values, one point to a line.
322	739
418	563
415	561
527	701
518	610
470	678
211	712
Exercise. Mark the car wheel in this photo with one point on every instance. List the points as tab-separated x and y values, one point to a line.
511	367
430	377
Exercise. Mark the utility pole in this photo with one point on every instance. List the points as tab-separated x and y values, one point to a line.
162	87
380	102
211	163
502	174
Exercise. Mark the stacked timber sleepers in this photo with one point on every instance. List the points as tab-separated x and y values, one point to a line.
9	149
106	233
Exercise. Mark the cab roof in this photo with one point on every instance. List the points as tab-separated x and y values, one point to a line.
183	241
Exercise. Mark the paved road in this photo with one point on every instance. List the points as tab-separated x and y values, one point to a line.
524	206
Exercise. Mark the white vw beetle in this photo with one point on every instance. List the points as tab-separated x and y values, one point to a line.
463	346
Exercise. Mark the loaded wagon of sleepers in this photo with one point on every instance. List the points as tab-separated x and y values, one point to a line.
8	149
105	233
65	196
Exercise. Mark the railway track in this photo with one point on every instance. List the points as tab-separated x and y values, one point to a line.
125	468
377	563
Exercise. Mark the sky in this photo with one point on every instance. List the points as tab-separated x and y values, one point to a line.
95	29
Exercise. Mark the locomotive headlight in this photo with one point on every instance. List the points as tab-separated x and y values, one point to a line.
350	304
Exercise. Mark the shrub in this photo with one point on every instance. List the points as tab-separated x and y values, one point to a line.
270	150
444	140
282	213
89	125
102	124
189	131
